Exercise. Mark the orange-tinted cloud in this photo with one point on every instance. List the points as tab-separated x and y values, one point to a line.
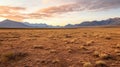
15	18
10	10
60	9
37	15
12	13
56	10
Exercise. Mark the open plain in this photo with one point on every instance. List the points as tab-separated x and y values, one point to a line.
78	47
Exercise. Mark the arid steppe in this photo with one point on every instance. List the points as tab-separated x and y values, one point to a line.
78	47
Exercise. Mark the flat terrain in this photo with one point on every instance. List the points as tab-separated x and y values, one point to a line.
80	47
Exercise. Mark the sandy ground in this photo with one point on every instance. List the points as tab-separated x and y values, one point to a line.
82	47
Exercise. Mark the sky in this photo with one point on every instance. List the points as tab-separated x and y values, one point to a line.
58	12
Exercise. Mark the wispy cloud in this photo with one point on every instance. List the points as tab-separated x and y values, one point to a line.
83	5
78	5
10	10
13	13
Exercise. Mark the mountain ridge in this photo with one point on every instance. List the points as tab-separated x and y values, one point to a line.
108	22
14	24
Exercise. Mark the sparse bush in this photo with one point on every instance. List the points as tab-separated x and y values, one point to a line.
118	46
89	43
108	37
55	61
53	51
84	35
105	56
117	51
87	64
70	50
100	63
13	56
72	40
96	54
66	42
118	54
38	46
82	48
68	47
50	36
68	36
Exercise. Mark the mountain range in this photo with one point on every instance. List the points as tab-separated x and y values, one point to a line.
108	22
13	24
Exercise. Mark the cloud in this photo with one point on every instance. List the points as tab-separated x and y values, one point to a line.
71	6
13	13
14	17
37	15
100	4
78	5
10	10
83	5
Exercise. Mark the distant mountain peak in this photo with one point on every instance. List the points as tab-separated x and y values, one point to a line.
12	24
7	20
